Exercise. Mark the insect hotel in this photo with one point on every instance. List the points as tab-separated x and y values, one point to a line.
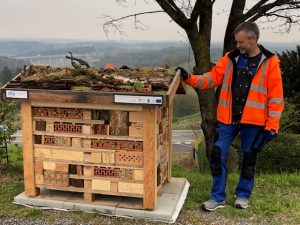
96	131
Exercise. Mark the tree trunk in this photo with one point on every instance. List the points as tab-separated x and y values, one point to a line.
235	18
200	43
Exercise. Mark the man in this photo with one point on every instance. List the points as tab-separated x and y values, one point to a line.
250	102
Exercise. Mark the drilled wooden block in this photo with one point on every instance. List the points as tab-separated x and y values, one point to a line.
130	158
132	188
88	184
117	144
112	158
39	178
38	166
96	157
135	131
107	172
101	185
50	127
88	170
49	165
62	167
58	154
76	142
86	129
136	117
87	157
86	143
67	128
108	158
87	115
114	186
40	125
138	175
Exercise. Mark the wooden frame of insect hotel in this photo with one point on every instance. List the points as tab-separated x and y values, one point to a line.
95	141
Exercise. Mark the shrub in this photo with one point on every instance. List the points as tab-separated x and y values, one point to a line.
280	155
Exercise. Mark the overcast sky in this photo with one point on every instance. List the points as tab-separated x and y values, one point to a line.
82	19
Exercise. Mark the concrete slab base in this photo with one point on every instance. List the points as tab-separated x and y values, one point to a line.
169	202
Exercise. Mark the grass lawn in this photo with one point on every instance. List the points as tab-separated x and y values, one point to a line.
275	200
191	122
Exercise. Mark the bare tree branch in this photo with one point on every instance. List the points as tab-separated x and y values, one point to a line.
262	9
115	25
174	12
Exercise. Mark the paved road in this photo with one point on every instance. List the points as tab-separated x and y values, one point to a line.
181	140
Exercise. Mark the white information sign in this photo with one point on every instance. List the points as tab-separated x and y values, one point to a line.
16	94
138	99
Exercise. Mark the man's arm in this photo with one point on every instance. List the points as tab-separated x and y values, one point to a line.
275	103
210	79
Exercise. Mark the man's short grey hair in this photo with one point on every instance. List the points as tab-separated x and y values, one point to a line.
250	28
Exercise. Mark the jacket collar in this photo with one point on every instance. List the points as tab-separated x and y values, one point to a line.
235	53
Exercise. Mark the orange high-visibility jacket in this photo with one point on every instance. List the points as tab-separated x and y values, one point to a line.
264	103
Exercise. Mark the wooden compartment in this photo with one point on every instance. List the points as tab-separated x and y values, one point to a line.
68	146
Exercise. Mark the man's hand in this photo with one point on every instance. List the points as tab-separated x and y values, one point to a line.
262	139
270	135
183	72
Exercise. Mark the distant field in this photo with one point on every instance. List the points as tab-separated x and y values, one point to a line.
191	122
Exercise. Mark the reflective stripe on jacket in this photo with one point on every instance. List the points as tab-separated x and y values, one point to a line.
264	103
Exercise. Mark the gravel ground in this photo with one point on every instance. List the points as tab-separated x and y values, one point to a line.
185	218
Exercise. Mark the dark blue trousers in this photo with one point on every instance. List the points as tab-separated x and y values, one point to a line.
225	134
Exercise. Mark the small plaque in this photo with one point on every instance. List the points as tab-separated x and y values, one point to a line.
138	99
16	94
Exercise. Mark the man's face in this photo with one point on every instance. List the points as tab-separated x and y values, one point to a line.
245	44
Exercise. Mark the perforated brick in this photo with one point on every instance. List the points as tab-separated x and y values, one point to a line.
117	144
130	158
58	112
56	140
106	172
67	128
